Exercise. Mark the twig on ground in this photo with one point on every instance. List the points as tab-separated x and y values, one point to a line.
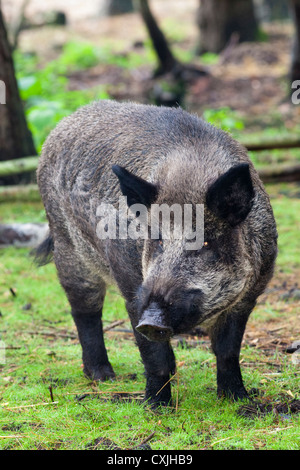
28	406
171	378
54	333
113	325
144	441
51	393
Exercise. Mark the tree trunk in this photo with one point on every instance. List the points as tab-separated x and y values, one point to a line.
295	65
218	20
15	138
258	143
20	193
280	173
18	166
177	74
167	62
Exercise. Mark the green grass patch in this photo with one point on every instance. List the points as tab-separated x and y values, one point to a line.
286	206
43	356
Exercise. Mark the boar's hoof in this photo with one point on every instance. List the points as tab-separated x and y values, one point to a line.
102	373
156	403
158	391
235	395
155	332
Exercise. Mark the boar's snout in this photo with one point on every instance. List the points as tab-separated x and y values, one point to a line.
153	326
154	332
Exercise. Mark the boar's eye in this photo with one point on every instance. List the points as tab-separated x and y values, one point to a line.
209	251
206	248
207	245
158	247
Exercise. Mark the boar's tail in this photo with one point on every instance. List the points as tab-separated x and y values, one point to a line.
44	252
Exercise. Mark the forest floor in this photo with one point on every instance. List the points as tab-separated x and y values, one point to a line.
251	78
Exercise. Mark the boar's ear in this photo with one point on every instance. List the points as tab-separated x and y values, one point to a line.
230	197
137	190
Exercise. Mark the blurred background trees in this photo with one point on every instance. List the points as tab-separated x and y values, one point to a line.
167	61
15	139
229	61
117	7
160	66
295	63
219	20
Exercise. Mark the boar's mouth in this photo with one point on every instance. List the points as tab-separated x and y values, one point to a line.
159	323
153	324
154	332
166	316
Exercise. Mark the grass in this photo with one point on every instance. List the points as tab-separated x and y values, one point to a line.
47	403
285	202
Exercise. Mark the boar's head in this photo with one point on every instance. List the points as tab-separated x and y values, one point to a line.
184	287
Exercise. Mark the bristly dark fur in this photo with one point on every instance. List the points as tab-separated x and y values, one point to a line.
43	254
159	155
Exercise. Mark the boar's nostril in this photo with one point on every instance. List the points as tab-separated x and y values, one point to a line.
154	332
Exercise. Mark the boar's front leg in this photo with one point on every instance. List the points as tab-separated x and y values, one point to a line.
226	338
159	363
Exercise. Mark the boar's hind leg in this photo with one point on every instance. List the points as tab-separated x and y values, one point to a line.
94	355
86	300
226	338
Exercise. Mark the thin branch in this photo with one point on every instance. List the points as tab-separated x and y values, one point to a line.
143	442
28	406
113	325
171	378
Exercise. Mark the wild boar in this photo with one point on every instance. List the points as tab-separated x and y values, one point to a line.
154	156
